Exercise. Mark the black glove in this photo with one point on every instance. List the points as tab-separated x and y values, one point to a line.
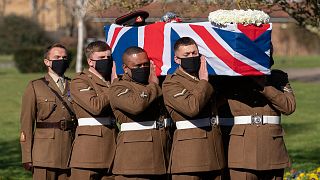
278	79
27	166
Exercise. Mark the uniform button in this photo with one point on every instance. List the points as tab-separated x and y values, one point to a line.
46	100
63	107
255	102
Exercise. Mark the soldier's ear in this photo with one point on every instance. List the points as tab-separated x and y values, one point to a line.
177	60
46	62
90	62
125	68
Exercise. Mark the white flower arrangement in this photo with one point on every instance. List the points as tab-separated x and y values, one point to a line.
246	17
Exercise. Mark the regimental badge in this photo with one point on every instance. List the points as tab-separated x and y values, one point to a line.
22	137
139	19
143	95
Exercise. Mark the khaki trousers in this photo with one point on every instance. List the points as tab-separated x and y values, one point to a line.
43	173
90	174
246	174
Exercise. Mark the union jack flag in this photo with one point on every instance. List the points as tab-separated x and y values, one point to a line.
234	50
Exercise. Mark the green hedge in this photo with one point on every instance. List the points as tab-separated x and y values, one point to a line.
20	32
29	60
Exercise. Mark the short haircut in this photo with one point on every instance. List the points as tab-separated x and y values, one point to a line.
56	45
96	46
131	50
184	41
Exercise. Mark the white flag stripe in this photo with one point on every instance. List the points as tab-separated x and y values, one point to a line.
110	33
141	36
122	31
166	54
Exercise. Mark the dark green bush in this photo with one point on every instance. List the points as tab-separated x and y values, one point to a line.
18	32
29	60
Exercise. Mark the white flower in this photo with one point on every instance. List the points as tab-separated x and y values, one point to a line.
246	17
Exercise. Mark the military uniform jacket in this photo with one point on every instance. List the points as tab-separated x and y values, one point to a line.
259	147
44	147
138	151
196	149
94	146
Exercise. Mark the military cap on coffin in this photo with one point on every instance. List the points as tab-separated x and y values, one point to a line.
135	18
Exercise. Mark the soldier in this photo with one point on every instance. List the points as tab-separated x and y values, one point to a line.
47	119
197	150
137	104
95	141
135	18
256	149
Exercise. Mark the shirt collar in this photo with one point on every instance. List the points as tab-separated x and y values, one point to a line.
55	77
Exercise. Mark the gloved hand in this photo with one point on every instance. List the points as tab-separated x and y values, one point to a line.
27	166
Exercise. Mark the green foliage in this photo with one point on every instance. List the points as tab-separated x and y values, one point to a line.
29	60
19	32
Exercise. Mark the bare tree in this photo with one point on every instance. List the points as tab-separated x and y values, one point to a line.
78	8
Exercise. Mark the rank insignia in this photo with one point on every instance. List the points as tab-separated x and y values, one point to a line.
22	137
143	95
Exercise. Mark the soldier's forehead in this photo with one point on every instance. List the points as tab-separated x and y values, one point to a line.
57	50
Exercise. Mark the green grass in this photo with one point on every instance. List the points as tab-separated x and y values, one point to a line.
6	58
281	62
302	128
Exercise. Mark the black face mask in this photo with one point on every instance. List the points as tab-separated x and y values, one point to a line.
141	75
191	64
104	67
60	66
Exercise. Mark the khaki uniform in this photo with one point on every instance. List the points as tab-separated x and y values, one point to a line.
45	147
259	147
94	145
195	149
139	152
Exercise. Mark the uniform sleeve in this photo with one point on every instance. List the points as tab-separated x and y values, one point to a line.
133	99
284	101
27	119
189	103
86	97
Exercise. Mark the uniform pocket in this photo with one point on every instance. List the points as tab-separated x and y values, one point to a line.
236	144
190	149
279	154
137	136
45	133
89	130
44	146
135	150
45	107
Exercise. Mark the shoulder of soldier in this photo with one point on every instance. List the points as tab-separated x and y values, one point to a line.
171	78
38	81
120	83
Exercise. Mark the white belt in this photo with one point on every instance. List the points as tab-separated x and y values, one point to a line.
144	125
108	121
257	119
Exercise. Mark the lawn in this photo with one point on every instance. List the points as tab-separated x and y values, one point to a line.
281	62
302	128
